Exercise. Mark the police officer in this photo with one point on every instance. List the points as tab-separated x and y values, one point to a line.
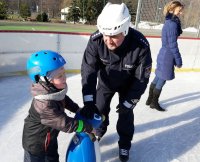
120	58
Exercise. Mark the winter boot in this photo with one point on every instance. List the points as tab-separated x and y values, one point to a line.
151	88
154	103
123	155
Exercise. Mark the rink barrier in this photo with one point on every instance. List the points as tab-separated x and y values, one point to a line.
77	71
16	47
22	73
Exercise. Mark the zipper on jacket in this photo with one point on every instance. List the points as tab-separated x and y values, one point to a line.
47	140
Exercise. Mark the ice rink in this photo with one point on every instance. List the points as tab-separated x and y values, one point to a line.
171	136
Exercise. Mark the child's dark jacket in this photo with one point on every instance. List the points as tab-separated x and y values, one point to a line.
46	118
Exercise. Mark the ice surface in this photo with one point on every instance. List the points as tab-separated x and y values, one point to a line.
171	136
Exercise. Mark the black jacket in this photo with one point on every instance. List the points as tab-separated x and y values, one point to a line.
125	70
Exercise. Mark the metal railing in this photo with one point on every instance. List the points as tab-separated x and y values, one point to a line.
152	11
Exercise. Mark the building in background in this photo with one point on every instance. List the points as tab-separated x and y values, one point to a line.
63	14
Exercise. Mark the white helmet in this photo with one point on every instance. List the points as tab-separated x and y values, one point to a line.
114	19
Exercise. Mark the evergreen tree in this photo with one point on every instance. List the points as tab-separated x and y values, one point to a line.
3	9
82	4
42	17
91	12
93	9
74	12
90	9
132	6
25	10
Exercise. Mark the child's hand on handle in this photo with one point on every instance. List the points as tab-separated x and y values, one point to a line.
95	123
92	135
97	131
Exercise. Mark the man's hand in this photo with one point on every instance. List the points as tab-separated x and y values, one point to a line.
89	110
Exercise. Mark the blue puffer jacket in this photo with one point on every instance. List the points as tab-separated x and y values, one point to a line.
169	55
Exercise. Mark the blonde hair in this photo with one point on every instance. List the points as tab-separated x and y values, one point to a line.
171	6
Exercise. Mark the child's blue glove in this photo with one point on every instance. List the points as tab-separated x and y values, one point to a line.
95	122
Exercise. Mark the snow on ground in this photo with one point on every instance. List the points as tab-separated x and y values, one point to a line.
159	26
190	29
171	136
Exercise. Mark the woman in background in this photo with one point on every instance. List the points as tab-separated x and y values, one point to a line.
169	55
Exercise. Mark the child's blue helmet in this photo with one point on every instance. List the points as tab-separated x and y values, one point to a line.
41	62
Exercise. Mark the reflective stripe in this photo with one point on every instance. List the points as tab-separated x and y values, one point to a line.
80	126
124	152
87	98
128	105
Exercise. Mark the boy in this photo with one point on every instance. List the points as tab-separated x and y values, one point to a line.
46	115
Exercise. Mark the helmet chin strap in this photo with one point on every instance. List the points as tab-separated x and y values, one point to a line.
37	78
44	79
48	83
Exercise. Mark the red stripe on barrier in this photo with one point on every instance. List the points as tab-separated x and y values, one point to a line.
46	32
75	33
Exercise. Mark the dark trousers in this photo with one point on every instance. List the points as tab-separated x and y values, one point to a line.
28	157
125	122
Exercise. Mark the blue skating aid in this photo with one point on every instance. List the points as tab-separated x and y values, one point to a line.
81	147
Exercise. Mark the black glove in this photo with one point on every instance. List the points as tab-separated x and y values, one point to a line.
89	110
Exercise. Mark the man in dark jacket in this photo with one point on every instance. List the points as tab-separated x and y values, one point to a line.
120	58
